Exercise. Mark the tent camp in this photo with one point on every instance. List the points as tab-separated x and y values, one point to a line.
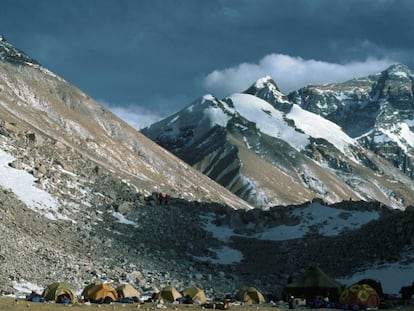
127	291
168	294
361	295
249	295
59	292
195	294
314	283
99	292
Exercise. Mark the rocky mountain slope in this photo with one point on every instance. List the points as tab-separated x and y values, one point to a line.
270	151
69	166
377	111
38	105
77	204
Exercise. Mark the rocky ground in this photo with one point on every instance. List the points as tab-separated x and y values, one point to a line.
161	244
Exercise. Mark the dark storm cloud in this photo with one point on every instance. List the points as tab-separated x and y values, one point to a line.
160	55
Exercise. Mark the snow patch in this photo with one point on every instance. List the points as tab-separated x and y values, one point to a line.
123	220
268	119
224	256
25	287
319	127
326	220
22	184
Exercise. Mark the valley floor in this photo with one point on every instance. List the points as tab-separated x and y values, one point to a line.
13	304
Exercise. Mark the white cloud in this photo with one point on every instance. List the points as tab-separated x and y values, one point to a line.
136	116
290	73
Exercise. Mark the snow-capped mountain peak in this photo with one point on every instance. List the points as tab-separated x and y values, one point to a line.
243	139
267	89
399	70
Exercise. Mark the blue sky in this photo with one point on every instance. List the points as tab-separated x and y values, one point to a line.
146	59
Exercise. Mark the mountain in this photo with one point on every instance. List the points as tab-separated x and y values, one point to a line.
35	100
78	196
70	173
272	150
377	111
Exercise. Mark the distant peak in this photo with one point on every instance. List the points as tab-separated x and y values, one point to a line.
266	81
13	55
208	97
261	84
399	70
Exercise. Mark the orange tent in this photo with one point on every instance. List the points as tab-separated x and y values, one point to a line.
361	295
99	292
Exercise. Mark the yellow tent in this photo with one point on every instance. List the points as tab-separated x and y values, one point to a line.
196	294
168	294
99	292
127	291
54	290
250	295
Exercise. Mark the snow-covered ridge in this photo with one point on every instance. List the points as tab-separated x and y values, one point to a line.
273	122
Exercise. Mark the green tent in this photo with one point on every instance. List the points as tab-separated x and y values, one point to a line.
168	294
54	290
196	294
250	295
314	283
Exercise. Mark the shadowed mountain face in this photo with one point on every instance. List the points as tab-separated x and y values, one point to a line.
335	142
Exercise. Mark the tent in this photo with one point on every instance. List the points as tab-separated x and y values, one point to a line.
99	292
361	295
127	291
314	283
196	294
168	294
250	295
55	291
375	284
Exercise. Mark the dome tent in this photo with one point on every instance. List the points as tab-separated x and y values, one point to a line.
375	284
168	294
250	295
127	291
195	294
56	291
361	295
99	292
312	283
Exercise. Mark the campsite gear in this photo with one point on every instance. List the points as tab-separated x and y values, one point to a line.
195	294
127	291
168	294
250	295
360	295
314	283
225	305
35	297
59	292
100	293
